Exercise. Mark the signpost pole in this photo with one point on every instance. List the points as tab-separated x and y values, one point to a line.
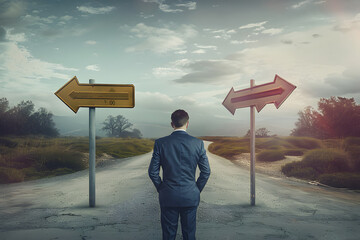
92	150
252	150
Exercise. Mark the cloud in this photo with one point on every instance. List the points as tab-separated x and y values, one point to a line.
11	11
181	52
287	41
2	34
306	2
199	51
172	70
156	101
272	31
93	67
188	5
243	42
348	24
342	84
90	42
94	10
21	69
222	34
40	21
299	4
211	72
161	40
171	8
253	25
346	83
64	19
166	8
206	46
15	37
142	15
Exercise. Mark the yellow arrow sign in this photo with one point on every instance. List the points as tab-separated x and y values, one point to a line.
76	95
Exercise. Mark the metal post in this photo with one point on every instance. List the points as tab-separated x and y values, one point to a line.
252	150
92	150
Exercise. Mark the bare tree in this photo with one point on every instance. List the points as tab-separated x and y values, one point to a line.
116	126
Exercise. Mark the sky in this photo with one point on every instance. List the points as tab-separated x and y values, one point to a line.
181	55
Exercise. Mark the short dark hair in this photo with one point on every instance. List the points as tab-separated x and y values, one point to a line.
179	118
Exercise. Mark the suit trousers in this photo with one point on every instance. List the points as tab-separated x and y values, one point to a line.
170	218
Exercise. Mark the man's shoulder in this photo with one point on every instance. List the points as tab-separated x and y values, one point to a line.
162	139
174	136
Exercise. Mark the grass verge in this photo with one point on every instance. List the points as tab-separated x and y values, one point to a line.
31	158
334	162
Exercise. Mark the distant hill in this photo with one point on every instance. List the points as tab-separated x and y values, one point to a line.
77	125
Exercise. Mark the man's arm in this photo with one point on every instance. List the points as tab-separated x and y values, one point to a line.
154	167
204	167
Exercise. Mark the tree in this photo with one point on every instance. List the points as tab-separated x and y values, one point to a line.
337	117
21	120
4	107
306	124
260	133
42	123
18	118
116	126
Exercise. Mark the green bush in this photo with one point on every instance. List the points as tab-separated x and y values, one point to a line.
56	158
272	143
293	152
304	142
326	160
270	155
341	180
122	148
20	161
227	150
354	152
10	175
7	143
351	141
298	170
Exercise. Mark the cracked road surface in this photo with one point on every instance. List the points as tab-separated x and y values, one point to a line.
127	207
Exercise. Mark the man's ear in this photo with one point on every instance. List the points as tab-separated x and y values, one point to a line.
187	124
172	125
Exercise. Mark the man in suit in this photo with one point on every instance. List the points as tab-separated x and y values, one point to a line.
179	154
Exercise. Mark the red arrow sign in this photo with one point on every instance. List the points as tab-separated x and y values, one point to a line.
275	92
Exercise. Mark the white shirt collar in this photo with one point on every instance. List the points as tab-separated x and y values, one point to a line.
179	130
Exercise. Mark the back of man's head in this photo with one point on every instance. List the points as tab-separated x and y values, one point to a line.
179	118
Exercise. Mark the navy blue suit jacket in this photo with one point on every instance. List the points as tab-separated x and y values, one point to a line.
179	154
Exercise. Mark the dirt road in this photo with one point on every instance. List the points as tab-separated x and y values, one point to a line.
127	207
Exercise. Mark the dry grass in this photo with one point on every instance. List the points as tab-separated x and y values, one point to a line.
36	157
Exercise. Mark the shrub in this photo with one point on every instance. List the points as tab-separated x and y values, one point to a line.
270	155
326	160
351	141
298	170
10	175
273	143
62	171
354	152
293	152
343	180
56	158
227	150
7	143
304	142
20	161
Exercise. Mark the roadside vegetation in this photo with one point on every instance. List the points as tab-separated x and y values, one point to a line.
333	162
28	158
328	139
29	149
